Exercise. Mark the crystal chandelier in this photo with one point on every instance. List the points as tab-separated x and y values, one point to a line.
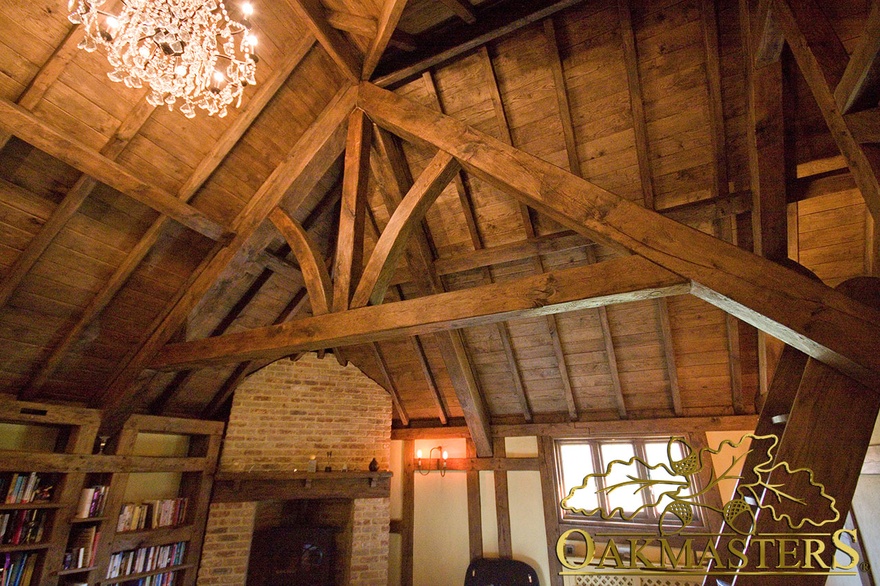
183	49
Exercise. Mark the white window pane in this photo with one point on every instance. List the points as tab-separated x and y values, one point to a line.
577	463
628	497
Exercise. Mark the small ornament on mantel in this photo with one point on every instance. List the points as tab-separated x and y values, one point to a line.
328	467
313	463
374	465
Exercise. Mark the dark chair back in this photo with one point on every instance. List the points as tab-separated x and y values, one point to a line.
500	572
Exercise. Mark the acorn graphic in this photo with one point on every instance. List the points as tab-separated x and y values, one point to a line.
739	516
682	510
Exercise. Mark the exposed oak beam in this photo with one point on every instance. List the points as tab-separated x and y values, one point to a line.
392	10
358	25
48	73
21	123
70	205
419	351
314	271
397	182
666	425
462	9
637	103
503	125
406	218
389	383
789	306
464	196
614	281
669	356
559	85
348	264
861	78
305	164
822	61
343	53
493	24
709	17
231	136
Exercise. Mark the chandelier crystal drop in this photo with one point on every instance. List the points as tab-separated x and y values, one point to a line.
182	49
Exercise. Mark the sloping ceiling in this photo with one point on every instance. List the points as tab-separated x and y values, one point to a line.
647	100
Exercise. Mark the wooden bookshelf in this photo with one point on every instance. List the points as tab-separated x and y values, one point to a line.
74	430
71	458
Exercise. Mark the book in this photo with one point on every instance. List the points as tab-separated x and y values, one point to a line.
83	508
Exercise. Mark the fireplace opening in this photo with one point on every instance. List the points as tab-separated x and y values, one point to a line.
300	543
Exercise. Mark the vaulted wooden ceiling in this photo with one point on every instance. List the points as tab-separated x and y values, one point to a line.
124	228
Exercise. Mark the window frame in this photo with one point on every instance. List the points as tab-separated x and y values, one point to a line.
647	519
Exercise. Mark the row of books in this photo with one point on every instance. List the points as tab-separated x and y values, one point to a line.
83	546
91	501
146	559
17	569
166	579
26	487
152	514
21	527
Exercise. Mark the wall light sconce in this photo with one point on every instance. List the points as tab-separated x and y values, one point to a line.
441	464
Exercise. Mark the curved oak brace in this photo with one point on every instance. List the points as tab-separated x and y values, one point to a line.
810	316
315	274
392	243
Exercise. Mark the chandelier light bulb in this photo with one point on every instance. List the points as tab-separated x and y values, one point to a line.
187	51
419	454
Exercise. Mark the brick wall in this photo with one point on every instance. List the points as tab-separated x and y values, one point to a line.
281	416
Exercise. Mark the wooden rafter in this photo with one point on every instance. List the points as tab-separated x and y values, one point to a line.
615	281
419	351
392	10
348	264
343	53
21	123
315	273
518	389
389	383
669	356
462	9
637	103
305	164
48	73
70	204
709	18
559	85
461	188
822	60
826	324
494	23
862	74
503	125
296	305
406	218
204	170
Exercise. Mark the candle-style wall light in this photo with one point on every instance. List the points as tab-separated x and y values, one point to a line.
441	464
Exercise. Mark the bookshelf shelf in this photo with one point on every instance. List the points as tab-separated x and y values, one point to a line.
83	520
167	570
20	506
76	571
24	547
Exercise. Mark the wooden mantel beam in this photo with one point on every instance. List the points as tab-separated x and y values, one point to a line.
810	316
615	281
17	121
